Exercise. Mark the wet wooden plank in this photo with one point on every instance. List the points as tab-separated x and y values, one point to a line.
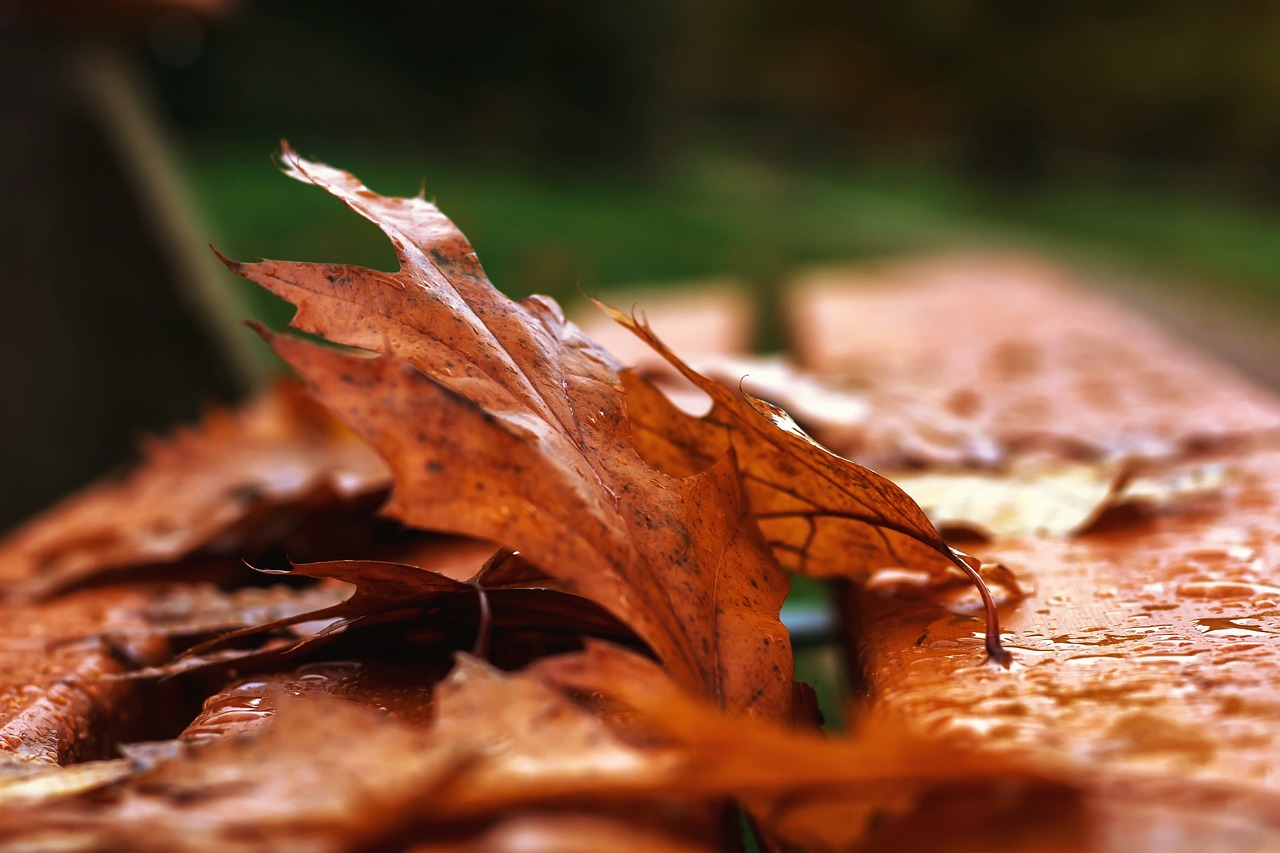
970	359
1146	654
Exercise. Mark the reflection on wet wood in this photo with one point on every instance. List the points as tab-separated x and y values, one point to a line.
974	359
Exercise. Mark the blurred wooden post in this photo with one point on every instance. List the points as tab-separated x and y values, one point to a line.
118	99
119	321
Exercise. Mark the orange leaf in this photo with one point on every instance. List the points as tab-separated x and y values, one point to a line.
822	514
500	744
506	592
215	486
501	421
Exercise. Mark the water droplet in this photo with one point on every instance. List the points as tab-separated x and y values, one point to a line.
1224	626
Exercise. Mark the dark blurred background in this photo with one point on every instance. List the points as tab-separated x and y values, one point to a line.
583	145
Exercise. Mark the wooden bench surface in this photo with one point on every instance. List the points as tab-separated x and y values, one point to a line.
1145	655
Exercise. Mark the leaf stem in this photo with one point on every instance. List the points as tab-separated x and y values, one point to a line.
995	649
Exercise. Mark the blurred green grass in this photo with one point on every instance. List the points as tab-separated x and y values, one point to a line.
713	213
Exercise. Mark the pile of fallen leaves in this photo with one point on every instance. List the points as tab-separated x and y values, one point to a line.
505	596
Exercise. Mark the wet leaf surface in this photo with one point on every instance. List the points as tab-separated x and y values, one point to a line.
821	514
506	594
1035	497
501	421
498	744
218	487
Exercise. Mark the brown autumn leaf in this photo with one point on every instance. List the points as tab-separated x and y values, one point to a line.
1185	590
497	745
213	488
501	421
24	784
822	515
809	791
1033	496
863	513
505	594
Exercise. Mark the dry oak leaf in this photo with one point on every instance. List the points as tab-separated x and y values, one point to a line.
505	593
306	782
500	744
822	514
1035	496
801	788
1032	496
501	421
204	488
